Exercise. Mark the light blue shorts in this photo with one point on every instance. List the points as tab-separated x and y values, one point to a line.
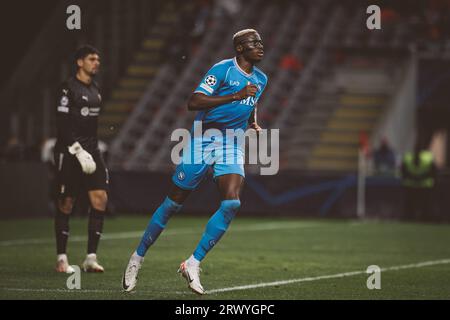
202	154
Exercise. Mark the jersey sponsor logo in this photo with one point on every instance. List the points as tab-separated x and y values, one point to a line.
234	83
94	112
63	109
207	88
85	111
211	80
250	101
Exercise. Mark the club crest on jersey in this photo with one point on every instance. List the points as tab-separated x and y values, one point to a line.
64	101
85	111
211	80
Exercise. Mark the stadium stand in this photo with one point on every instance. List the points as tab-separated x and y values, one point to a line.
308	55
330	78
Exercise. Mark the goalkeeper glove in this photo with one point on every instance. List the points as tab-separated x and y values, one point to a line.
87	162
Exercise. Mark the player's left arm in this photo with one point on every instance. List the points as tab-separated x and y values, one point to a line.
253	120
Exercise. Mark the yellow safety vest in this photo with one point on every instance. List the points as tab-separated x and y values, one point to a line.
424	166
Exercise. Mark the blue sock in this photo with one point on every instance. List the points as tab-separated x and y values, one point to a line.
216	227
157	224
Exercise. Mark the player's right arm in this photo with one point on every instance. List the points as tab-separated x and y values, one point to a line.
200	101
65	124
204	97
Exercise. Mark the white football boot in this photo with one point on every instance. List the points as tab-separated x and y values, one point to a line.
90	264
62	264
130	275
192	275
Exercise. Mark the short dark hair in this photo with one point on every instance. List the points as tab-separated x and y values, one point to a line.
85	50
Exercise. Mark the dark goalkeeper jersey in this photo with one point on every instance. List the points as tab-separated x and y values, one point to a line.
78	108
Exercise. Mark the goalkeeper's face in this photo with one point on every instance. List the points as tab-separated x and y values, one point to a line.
251	47
90	64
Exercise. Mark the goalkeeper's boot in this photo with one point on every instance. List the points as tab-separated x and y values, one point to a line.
192	275
62	264
130	275
90	264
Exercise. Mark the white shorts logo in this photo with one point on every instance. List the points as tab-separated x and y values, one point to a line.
181	175
211	80
85	111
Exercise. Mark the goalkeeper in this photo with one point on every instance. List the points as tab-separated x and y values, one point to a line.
78	161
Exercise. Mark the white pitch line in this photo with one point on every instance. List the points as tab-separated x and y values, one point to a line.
137	234
44	290
251	286
332	276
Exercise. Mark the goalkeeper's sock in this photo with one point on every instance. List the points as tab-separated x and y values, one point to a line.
95	229
61	231
216	227
157	224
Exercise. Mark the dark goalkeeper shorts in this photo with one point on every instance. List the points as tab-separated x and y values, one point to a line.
71	180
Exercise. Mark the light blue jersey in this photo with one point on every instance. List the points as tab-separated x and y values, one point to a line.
224	78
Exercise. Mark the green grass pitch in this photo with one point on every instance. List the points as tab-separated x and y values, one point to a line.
254	251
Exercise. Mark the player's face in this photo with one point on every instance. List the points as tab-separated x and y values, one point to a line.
90	64
253	48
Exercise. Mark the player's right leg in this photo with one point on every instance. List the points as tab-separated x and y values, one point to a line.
68	179
171	205
64	208
186	178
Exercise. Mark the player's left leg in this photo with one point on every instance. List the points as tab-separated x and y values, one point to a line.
97	191
229	188
98	199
